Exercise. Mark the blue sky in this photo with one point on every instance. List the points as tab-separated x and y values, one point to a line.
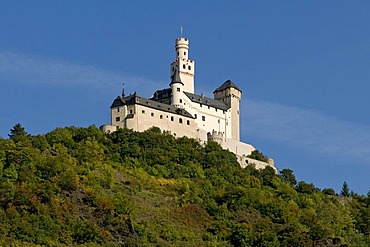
303	67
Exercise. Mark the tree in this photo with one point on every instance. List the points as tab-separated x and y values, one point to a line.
288	176
17	132
345	189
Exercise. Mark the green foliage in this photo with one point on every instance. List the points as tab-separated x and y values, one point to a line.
288	176
345	189
77	186
257	155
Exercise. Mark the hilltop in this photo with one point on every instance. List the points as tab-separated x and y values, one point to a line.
79	186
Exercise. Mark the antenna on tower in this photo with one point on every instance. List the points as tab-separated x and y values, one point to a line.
181	30
123	90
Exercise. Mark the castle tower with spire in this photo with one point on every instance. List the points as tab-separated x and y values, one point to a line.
181	112
183	64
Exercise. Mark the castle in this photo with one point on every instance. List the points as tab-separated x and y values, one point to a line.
181	112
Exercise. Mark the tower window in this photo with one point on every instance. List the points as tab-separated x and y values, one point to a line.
184	52
131	111
195	115
183	66
203	118
180	120
188	122
161	116
178	53
152	114
189	67
178	89
180	100
143	111
118	119
118	109
171	118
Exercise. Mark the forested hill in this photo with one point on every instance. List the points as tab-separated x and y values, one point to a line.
78	186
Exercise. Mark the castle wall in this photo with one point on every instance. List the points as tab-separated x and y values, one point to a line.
245	161
146	118
214	119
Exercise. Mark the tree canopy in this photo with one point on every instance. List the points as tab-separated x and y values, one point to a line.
80	187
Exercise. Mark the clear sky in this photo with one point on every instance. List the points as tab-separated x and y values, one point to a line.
303	67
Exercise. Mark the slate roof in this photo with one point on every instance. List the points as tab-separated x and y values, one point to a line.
200	99
175	78
162	94
135	99
225	85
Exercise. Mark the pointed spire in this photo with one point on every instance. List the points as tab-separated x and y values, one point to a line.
175	78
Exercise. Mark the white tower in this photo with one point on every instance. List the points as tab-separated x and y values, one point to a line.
177	90
184	65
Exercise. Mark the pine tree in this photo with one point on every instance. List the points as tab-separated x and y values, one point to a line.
17	132
345	189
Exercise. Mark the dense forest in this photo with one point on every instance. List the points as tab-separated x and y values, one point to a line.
81	187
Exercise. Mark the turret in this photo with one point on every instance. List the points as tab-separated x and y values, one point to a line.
177	90
231	95
184	65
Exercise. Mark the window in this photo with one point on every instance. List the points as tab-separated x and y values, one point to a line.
173	68
131	111
180	100
143	111
216	109
188	122
171	118
118	109
118	119
218	121
178	53
152	114
184	52
183	66
178	89
189	67
195	115
180	120
161	116
203	118
200	105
